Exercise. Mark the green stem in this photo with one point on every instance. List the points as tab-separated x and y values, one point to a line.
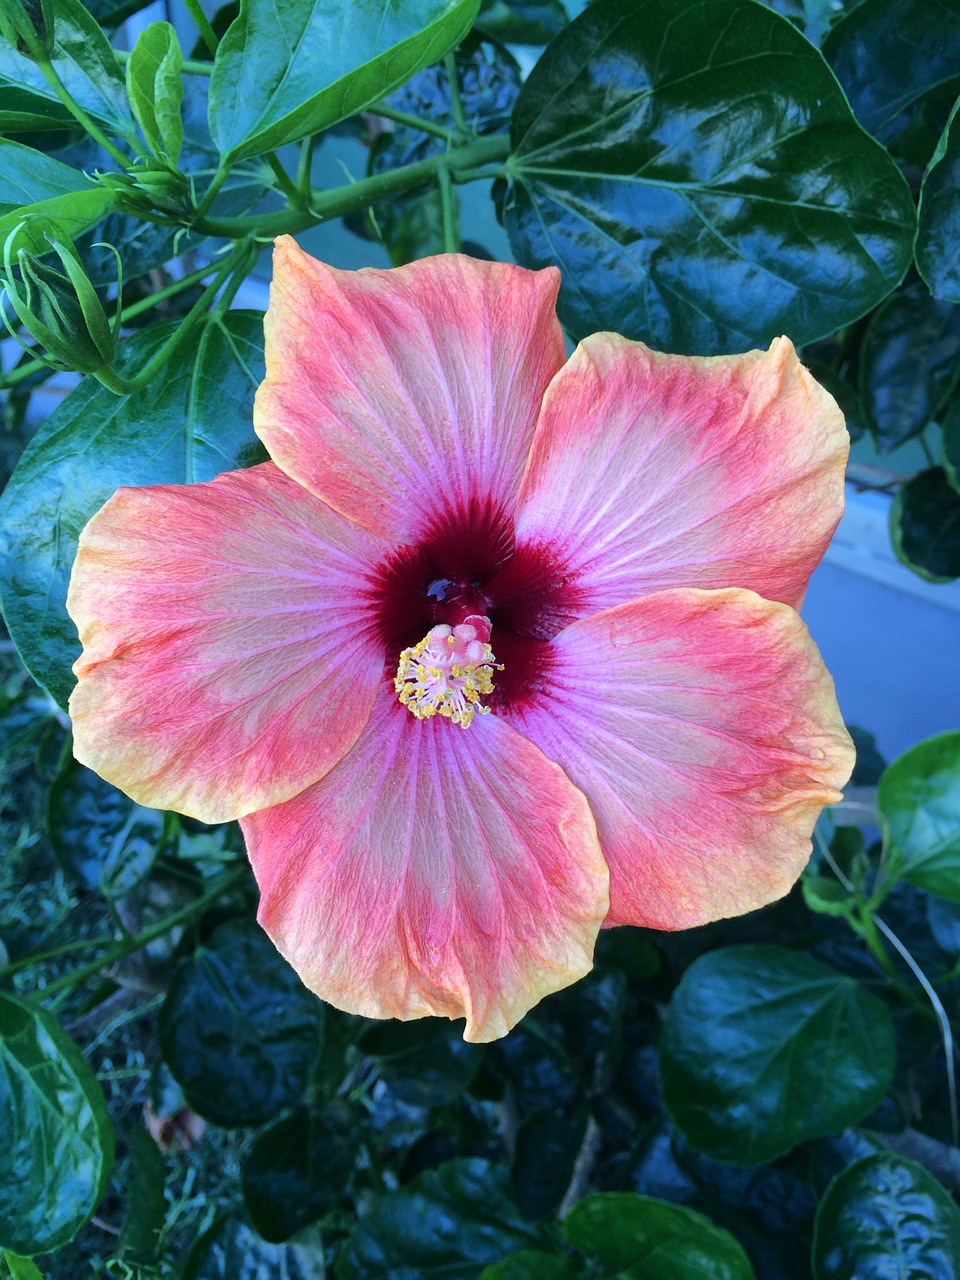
359	195
211	193
451	220
415	122
305	168
78	113
456	102
243	269
139	940
202	23
189	66
927	451
135	309
286	184
127	386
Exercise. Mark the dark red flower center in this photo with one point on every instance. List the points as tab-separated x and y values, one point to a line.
468	563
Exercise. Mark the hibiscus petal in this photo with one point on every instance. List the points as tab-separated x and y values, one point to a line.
402	396
651	471
436	870
226	661
702	727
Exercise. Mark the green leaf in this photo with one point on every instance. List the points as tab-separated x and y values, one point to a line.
85	64
925	525
938	226
101	838
231	1250
426	1063
297	1170
950	445
700	180
155	87
636	1235
522	21
25	112
28	176
21	1268
192	423
763	1048
890	54
533	1264
283	72
146	1209
886	1218
56	1139
909	363
919	797
547	1145
448	1223
238	1029
74	212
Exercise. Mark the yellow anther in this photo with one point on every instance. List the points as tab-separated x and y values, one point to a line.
447	674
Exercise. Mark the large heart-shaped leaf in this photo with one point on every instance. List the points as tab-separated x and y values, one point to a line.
56	1139
284	71
763	1048
886	1218
191	424
696	173
891	54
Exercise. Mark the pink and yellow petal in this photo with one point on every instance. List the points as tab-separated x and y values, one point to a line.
226	663
436	870
703	729
653	471
401	396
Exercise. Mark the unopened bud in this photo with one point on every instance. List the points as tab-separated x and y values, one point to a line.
60	309
28	26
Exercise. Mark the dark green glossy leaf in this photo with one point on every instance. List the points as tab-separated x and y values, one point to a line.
100	837
950	445
426	1063
547	1145
925	525
297	1170
284	72
533	1264
238	1029
146	1208
192	423
909	363
890	54
813	17
938	225
635	1235
447	1223
155	87
763	1048
84	63
886	1218
943	920
919	797
56	1139
697	175
231	1250
522	21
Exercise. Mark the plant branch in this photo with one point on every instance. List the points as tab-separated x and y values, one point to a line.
325	205
286	184
188	66
140	940
202	23
415	122
78	113
456	102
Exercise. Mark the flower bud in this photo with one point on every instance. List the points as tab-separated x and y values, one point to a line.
28	26
59	309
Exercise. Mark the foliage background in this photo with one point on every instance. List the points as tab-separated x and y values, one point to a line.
772	1096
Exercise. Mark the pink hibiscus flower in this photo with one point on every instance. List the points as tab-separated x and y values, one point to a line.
498	648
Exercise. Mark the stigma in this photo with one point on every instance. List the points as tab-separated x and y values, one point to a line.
448	672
